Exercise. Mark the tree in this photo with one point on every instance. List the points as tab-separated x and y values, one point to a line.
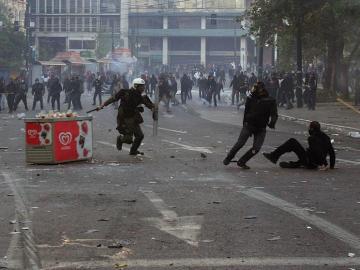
329	27
12	43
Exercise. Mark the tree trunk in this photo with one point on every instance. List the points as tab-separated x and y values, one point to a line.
344	80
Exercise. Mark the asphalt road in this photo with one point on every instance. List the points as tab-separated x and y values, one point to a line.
177	207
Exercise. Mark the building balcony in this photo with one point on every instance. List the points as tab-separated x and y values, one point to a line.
187	32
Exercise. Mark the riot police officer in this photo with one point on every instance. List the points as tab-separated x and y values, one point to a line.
129	114
38	91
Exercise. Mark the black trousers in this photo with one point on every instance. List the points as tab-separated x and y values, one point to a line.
97	93
292	145
36	99
212	94
235	93
19	98
312	99
138	138
55	98
10	101
184	96
246	132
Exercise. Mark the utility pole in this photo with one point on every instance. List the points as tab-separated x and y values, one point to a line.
112	37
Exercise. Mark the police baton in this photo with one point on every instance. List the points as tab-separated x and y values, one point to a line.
93	110
156	112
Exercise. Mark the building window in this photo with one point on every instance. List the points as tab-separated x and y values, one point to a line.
184	22
56	6
72	25
41	6
75	44
87	24
56	24
49	24
32	6
109	6
93	25
79	25
139	21
41	24
49	6
79	6
73	6
94	4
63	6
63	25
89	44
87	6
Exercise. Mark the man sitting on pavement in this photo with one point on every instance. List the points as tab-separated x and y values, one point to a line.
313	157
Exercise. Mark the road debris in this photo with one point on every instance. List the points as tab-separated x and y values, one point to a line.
91	231
354	134
12	221
4	148
116	245
275	238
130	200
351	255
120	266
104	219
203	155
250	217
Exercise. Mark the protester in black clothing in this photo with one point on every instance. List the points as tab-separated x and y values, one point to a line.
211	90
153	83
21	91
54	92
2	91
235	84
287	86
315	156
173	90
202	86
312	92
260	111
252	80
67	89
164	91
98	90
38	91
185	86
11	92
51	80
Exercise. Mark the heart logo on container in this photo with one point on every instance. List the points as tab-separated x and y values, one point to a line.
65	138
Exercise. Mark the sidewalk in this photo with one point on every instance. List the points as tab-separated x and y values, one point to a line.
334	115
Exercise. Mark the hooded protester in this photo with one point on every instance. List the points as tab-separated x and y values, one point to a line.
260	111
311	158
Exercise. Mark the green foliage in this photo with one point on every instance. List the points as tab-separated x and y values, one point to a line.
12	44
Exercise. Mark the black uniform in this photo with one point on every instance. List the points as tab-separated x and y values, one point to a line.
98	88
129	117
54	92
211	89
315	155
259	109
21	91
11	91
38	91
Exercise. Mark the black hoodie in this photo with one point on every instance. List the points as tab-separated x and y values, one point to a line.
259	110
319	147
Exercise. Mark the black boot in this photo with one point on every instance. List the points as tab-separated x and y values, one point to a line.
245	158
119	142
270	156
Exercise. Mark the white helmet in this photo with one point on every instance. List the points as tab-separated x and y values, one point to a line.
138	81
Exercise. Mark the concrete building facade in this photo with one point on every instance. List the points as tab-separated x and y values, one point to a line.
168	32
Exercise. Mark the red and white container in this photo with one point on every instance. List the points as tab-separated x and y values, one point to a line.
58	140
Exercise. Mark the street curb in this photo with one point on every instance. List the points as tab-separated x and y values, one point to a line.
351	107
327	125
